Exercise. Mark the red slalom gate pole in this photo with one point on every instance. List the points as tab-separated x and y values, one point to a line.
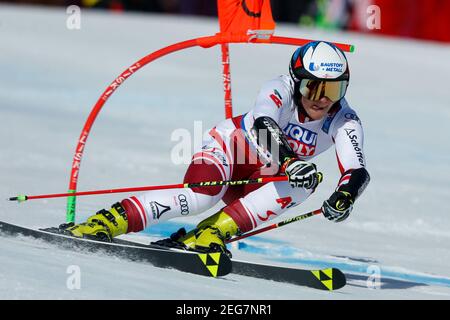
226	74
204	42
76	162
22	198
277	225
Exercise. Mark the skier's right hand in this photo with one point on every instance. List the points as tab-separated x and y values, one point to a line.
302	174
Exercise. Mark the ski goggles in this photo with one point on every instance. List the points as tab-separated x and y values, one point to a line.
317	89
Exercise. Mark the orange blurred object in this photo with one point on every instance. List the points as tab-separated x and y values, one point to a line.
246	17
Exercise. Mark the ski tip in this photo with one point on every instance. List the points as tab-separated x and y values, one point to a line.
215	264
330	279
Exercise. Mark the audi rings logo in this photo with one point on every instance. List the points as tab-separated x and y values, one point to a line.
184	207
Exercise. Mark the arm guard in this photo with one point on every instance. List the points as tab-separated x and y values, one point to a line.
270	137
359	179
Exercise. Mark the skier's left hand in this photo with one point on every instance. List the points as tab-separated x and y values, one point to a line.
338	207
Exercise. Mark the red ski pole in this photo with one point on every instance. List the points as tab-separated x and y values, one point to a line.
22	198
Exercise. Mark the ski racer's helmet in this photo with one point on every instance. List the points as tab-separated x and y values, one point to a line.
320	69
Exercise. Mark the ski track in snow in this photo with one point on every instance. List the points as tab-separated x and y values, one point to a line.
51	77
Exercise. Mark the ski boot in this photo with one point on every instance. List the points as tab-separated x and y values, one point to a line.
210	235
103	226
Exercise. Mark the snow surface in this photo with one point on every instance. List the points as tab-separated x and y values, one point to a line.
50	78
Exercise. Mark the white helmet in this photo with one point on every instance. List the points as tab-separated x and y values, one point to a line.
320	69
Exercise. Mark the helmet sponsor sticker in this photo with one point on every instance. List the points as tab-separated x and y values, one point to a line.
327	67
313	67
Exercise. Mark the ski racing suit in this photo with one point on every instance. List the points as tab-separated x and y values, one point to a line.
232	152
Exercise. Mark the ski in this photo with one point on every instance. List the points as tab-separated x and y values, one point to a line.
324	279
211	265
208	264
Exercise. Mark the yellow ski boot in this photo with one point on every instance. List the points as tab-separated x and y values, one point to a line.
210	234
103	226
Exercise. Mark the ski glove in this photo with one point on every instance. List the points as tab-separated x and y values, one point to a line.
302	174
338	207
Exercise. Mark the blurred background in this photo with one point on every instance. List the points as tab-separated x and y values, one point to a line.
421	19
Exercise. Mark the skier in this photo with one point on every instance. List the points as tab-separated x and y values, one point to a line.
296	117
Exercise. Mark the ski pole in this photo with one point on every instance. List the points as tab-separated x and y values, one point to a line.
22	198
276	225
